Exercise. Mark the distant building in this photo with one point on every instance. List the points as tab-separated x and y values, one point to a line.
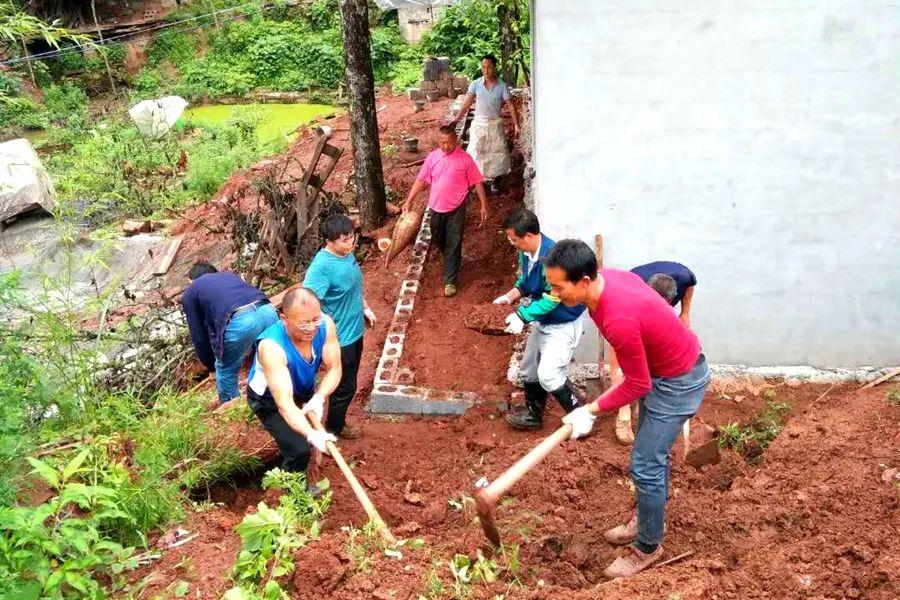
415	16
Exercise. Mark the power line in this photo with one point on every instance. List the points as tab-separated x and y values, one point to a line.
110	40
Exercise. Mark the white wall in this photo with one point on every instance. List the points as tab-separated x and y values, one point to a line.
756	141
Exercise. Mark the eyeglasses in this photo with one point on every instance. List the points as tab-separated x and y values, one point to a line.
308	325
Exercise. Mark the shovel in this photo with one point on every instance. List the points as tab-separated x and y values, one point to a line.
486	498
361	495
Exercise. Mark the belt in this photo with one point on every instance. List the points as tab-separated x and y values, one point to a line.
246	307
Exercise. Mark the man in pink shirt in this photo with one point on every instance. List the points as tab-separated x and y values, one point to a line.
663	369
451	173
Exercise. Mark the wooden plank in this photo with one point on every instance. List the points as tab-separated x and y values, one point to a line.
890	374
169	258
598	249
332	152
313	161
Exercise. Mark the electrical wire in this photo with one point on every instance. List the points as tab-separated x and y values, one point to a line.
112	40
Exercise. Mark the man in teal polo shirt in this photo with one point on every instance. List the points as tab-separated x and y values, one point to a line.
335	278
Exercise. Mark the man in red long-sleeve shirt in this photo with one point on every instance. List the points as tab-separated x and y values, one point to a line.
663	369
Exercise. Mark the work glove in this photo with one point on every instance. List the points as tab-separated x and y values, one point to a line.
582	421
514	324
369	316
504	299
316	406
317	439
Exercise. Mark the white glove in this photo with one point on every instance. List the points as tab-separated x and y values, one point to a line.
369	316
317	440
514	324
316	406
581	420
504	299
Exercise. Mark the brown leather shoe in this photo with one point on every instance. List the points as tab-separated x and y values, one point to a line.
349	432
623	534
623	432
632	563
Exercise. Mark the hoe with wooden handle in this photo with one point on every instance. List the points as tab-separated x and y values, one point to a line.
361	495
486	498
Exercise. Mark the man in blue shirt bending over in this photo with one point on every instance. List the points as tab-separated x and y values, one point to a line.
335	277
224	315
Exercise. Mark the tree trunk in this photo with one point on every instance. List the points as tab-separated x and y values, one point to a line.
368	175
507	43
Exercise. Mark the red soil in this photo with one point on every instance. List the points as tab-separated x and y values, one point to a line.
814	520
817	518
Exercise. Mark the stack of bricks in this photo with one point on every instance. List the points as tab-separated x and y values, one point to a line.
438	81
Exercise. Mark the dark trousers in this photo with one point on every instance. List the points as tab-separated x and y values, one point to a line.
293	446
447	235
340	399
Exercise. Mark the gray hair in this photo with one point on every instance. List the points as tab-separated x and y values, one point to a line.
664	285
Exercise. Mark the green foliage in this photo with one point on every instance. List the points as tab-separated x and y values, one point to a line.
21	112
752	440
271	535
10	84
125	173
65	105
146	84
470	29
57	549
177	48
893	398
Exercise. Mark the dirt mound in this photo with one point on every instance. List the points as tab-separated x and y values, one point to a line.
488	318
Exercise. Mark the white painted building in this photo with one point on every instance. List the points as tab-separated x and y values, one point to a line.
756	142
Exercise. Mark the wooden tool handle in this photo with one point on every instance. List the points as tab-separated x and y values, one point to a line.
513	474
361	495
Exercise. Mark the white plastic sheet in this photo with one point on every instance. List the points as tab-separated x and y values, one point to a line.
24	183
154	118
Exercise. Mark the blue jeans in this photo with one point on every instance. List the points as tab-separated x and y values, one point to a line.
239	336
663	411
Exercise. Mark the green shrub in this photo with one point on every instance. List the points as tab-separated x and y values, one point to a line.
21	112
147	83
470	29
65	104
177	48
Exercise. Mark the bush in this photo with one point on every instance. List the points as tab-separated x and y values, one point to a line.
65	104
467	31
146	84
21	112
177	48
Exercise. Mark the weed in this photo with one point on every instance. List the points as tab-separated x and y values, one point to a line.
893	397
752	440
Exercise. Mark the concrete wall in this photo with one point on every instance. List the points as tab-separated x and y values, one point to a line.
757	142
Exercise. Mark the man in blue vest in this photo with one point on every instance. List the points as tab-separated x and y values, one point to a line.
281	386
558	328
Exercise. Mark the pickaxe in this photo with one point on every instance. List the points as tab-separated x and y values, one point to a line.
486	498
361	495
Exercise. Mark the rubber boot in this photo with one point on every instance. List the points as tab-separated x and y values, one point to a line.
533	415
567	397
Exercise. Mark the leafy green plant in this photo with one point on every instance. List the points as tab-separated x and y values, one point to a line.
893	397
57	549
468	30
752	440
271	535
